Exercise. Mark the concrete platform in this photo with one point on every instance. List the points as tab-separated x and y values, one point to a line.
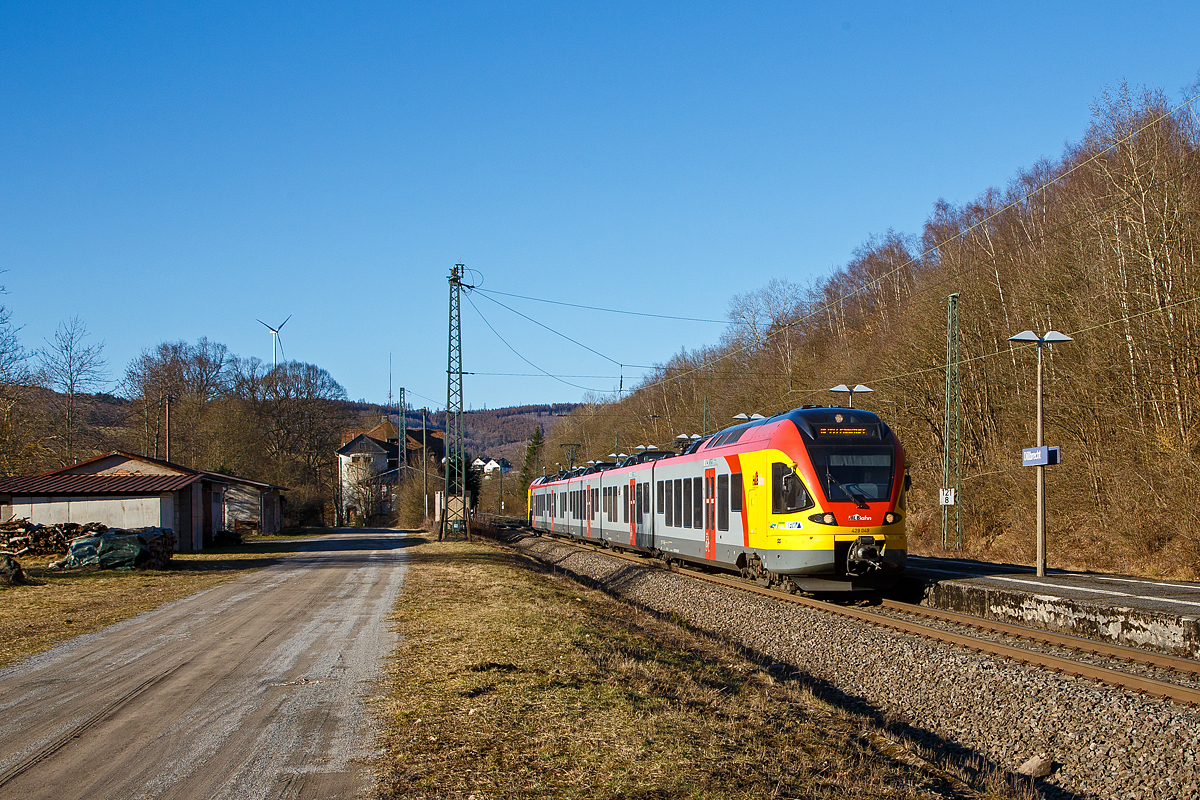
1137	612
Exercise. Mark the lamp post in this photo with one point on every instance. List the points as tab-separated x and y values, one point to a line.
1050	337
841	387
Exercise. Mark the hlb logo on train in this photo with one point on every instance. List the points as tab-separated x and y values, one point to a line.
1040	456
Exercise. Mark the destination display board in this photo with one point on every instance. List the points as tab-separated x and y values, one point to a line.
848	430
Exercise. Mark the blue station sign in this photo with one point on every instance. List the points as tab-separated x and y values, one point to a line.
1039	456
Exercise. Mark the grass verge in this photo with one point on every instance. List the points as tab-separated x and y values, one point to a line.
59	605
510	682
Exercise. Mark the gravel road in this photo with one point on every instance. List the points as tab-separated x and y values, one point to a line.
1104	742
248	690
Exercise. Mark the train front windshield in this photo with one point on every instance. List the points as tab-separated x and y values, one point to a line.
854	474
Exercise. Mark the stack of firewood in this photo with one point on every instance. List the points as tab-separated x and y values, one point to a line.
21	537
161	544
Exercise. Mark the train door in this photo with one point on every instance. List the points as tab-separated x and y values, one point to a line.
587	504
633	506
710	513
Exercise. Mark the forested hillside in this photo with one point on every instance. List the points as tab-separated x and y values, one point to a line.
1099	244
492	432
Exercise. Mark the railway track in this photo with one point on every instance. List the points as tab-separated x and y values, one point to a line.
895	619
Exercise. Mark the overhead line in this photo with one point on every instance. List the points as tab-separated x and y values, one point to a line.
930	250
563	335
831	304
1024	346
540	375
606	310
523	358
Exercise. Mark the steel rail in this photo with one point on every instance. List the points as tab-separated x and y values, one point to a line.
1131	654
1076	669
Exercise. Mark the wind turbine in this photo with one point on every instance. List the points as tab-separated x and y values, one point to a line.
275	340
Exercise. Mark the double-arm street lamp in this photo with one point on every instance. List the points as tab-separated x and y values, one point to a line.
1051	337
841	387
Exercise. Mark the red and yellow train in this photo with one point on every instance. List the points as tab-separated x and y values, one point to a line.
811	499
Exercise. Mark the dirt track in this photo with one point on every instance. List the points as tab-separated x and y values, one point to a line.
248	690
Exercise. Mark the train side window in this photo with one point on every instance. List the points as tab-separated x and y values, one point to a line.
722	502
649	499
697	502
641	501
788	494
660	497
687	502
625	502
669	504
678	503
735	492
595	501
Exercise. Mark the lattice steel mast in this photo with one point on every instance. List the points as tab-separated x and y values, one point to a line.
454	516
952	436
402	431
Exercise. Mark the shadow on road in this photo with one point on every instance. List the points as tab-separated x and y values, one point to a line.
315	551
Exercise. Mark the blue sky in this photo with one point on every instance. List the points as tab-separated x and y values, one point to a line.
172	172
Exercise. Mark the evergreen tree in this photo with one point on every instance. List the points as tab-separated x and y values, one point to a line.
532	452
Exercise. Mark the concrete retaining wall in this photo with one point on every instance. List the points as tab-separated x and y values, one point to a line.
1166	633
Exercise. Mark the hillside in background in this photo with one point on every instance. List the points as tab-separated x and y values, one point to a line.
492	432
1101	245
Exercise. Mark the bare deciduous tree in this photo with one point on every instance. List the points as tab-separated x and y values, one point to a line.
71	366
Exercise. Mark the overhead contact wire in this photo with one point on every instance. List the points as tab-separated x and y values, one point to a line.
915	259
523	358
606	310
563	335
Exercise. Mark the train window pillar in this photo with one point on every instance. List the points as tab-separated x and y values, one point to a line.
722	502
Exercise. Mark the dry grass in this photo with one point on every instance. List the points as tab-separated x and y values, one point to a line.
60	605
513	683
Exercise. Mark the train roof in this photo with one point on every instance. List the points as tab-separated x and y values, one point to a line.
835	424
814	422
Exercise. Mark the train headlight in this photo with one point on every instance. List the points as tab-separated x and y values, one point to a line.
891	518
824	519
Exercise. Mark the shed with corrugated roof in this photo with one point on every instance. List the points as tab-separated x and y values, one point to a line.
126	490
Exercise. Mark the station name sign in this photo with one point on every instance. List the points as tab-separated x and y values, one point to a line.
1040	456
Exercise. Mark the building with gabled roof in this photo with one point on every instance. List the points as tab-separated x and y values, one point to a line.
369	465
126	490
